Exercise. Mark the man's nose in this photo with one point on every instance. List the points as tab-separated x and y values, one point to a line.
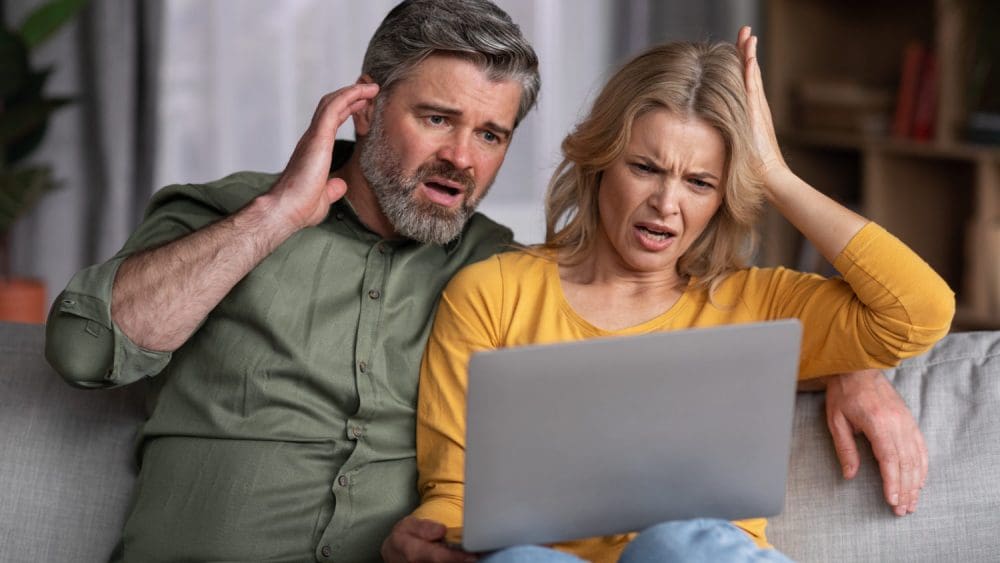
457	150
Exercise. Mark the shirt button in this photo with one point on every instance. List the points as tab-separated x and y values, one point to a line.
342	480
382	249
374	293
340	216
326	551
362	366
357	432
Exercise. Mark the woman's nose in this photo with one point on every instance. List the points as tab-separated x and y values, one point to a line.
666	198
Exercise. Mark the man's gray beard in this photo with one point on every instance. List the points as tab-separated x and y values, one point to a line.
422	221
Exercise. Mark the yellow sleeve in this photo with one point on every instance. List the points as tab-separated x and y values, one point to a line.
468	320
890	305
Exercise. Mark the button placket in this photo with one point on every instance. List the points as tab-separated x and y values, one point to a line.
376	271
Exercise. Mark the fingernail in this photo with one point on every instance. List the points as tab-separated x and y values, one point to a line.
894	500
847	470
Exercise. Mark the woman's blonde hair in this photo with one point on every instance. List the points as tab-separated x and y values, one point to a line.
703	81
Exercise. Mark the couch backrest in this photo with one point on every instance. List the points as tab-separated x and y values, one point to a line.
954	392
66	466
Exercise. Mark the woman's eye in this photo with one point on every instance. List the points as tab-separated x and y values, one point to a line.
701	184
641	168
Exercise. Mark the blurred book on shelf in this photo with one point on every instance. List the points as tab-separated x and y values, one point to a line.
983	127
925	110
916	97
842	105
983	90
906	95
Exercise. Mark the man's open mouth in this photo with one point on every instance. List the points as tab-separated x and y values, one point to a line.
448	190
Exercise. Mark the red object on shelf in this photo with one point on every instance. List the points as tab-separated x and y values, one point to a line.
909	84
927	92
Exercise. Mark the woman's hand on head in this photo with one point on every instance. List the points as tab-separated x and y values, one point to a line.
765	141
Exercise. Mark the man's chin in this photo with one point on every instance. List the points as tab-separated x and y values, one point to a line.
432	228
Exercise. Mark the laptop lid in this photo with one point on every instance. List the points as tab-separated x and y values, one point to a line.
613	435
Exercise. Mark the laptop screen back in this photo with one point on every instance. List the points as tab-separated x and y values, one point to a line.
613	435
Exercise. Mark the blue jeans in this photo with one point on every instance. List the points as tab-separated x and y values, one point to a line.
693	541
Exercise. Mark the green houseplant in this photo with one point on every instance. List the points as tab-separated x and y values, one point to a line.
25	110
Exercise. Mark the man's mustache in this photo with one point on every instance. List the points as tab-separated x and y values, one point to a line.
447	171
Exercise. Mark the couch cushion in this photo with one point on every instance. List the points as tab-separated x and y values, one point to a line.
954	392
66	470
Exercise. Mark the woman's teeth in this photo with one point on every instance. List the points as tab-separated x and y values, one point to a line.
655	234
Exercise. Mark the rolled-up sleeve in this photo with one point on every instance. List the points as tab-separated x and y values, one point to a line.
84	345
82	342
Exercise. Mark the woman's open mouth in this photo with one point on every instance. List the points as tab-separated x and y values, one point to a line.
653	237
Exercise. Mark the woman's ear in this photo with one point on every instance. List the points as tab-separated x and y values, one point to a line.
363	117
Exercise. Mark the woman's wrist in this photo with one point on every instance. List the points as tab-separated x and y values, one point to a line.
779	179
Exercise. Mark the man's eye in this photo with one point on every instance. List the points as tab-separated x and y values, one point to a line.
490	137
436	120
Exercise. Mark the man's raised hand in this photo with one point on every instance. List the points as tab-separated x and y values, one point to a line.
304	192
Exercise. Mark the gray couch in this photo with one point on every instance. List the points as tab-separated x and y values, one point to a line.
66	466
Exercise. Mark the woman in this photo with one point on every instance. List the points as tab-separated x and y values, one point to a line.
649	222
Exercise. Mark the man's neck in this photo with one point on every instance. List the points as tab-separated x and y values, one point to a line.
362	198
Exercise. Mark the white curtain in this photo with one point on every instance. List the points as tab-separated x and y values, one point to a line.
240	80
173	91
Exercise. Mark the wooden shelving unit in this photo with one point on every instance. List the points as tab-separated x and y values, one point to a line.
940	196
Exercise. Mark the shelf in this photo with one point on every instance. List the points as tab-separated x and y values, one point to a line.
968	319
941	196
888	145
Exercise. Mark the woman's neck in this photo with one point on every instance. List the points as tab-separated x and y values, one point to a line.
610	295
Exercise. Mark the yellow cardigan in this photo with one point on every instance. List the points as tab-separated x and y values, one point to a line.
889	305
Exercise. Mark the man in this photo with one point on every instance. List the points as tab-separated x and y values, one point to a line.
284	316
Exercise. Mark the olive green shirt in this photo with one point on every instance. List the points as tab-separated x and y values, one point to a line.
283	429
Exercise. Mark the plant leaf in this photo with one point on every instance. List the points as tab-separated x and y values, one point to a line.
14	67
22	120
46	20
19	190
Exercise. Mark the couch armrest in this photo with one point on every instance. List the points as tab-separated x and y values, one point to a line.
954	392
67	467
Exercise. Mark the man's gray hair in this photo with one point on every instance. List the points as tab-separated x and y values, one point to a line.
473	29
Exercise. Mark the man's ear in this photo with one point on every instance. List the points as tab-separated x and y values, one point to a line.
363	117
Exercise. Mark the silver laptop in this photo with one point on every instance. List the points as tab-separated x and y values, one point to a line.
613	435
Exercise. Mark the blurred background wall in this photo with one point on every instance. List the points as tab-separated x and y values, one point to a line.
174	91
